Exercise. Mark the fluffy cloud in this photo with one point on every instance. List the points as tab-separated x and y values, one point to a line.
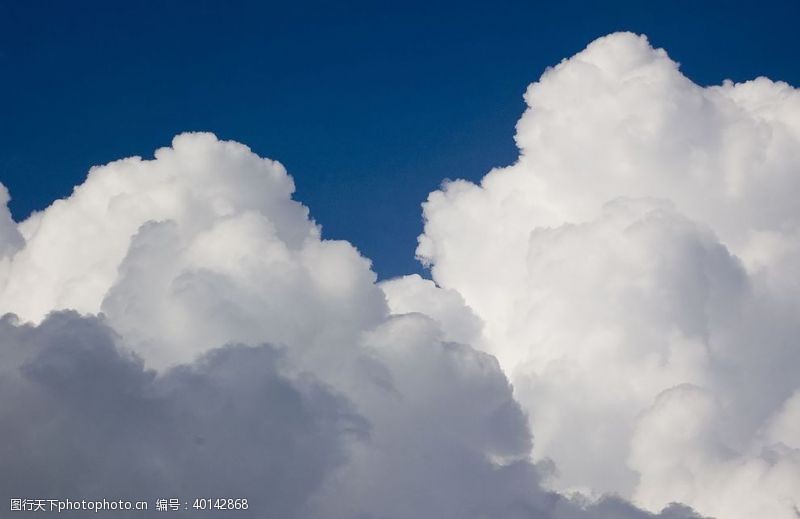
178	329
636	274
83	419
413	294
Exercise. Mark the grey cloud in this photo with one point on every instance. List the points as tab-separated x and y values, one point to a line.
82	419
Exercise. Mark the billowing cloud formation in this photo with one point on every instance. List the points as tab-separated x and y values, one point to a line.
636	275
182	331
176	250
82	419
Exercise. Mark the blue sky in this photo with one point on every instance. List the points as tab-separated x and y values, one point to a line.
369	105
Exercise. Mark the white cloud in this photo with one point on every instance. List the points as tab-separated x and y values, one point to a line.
681	449
409	294
647	238
75	246
634	275
227	350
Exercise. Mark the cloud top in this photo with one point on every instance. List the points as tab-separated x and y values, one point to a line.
645	242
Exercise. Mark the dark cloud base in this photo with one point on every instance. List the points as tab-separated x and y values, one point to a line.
81	418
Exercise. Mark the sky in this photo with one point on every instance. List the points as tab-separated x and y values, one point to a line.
368	104
496	262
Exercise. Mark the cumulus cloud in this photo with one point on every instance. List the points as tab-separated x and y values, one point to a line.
611	323
413	294
178	328
83	419
636	276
